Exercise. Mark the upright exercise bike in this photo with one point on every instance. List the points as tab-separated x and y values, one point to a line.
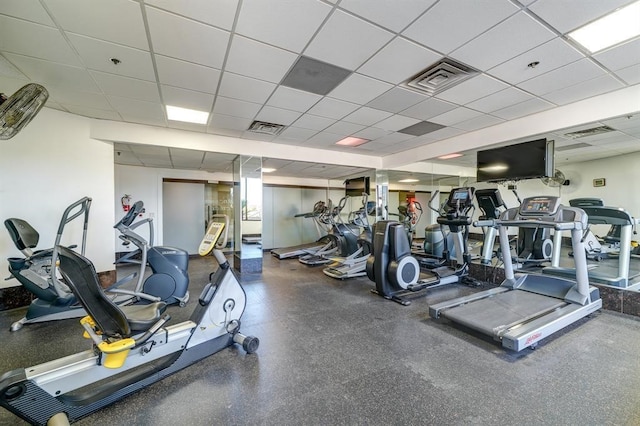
130	350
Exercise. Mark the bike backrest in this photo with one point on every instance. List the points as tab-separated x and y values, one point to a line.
22	234
80	275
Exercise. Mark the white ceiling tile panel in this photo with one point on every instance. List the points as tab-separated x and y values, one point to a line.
359	89
565	16
296	100
388	13
586	89
631	75
184	98
11	77
277	115
51	73
454	116
81	99
622	56
35	40
138	111
97	54
392	138
323	140
258	60
289	24
444	133
367	116
500	99
344	128
186	39
428	108
174	72
219	121
479	122
236	108
396	100
186	155
119	21
128	158
245	88
551	55
30	10
559	78
92	112
151	151
450	24
117	85
524	108
347	41
219	13
313	122
296	133
396	122
472	89
332	108
371	133
510	38
398	61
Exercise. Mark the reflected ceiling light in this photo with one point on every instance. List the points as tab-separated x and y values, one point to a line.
450	156
268	170
616	27
352	141
409	180
494	168
188	115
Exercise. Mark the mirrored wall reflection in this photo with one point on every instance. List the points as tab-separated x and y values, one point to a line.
247	199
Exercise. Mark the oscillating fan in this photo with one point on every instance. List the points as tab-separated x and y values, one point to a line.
18	110
558	179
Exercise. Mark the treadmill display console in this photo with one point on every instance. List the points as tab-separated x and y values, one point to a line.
461	198
539	206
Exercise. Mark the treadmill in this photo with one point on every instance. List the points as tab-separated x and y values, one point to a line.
529	307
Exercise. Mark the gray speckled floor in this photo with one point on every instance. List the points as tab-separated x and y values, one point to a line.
331	353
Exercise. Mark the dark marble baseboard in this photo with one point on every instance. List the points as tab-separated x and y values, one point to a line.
247	265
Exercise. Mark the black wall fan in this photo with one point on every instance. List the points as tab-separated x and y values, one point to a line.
19	109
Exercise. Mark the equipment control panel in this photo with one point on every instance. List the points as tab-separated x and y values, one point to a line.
540	206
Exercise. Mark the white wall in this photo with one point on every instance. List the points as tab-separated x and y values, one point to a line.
52	163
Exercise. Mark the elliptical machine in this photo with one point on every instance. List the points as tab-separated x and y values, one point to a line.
37	271
169	280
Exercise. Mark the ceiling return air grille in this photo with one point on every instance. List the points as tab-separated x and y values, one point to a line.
266	128
590	132
441	76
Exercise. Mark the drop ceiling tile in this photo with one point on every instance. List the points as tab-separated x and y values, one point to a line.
359	89
35	40
174	72
565	16
479	122
235	107
524	108
472	89
220	13
446	133
631	75
127	159
151	151
313	122
68	97
30	10
186	154
289	24
126	87
551	55
510	38
277	115
398	61
387	12
396	100
138	111
396	122
371	133
586	89
189	46
9	73
258	60
347	41
499	99
332	108
620	57
118	21
295	134
454	116
560	78
184	98
344	128
469	18
92	112
392	138
96	54
245	88
54	74
367	116
428	108
296	100
219	121
323	140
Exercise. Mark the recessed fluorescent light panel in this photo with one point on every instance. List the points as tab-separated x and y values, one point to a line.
351	141
612	29
409	180
450	156
188	115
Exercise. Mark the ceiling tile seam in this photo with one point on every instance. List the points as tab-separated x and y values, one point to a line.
208	24
147	31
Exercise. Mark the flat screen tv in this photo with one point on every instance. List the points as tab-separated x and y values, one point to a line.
356	186
527	160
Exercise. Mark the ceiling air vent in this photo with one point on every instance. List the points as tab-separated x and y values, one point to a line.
441	76
571	147
266	128
590	132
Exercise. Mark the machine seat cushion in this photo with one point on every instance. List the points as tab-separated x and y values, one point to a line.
142	317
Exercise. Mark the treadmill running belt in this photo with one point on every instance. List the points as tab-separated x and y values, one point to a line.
495	315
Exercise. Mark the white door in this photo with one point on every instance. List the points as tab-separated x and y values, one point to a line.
183	215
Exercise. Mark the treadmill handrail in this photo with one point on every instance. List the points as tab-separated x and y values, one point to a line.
529	223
